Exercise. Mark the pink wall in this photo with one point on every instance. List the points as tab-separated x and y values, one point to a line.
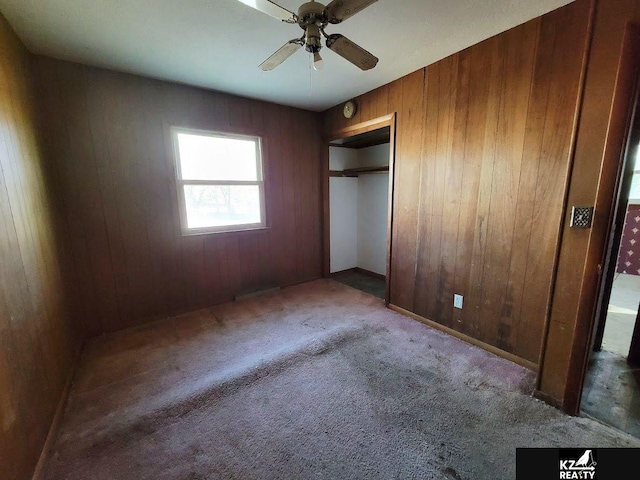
629	253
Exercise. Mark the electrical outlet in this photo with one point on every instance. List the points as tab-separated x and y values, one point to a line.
457	301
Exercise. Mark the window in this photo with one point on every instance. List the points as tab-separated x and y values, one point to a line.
220	181
634	194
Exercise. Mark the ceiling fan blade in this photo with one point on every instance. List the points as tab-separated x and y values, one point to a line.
281	55
273	9
339	10
351	52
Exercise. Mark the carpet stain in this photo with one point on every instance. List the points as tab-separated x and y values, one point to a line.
196	476
451	473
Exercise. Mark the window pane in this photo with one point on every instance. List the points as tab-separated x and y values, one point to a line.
635	187
217	158
221	205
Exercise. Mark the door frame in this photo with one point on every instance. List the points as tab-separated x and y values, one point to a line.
624	104
616	228
341	134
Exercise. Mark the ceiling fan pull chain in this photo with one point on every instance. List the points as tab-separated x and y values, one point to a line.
310	76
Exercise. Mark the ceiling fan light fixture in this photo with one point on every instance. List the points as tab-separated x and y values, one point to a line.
312	38
318	62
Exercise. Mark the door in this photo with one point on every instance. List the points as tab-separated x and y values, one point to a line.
623	187
634	351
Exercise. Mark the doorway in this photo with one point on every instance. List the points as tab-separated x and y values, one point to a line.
359	182
611	390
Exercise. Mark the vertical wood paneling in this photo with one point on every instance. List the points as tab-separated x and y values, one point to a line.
519	48
444	230
159	225
114	158
275	190
482	159
565	58
457	130
379	104
526	202
289	194
480	63
475	321
311	183
37	341
295	206
428	193
490	228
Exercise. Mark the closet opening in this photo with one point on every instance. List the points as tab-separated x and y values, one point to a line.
360	182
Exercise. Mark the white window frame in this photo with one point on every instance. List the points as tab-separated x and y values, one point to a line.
180	183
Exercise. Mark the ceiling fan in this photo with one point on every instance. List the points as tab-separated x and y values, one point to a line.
313	17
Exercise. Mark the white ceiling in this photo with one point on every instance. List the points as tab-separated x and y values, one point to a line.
219	44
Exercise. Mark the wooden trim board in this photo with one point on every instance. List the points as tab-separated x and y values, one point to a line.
465	338
392	163
547	399
326	214
364	127
355	172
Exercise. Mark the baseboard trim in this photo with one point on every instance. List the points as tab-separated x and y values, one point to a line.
545	397
255	293
57	418
461	336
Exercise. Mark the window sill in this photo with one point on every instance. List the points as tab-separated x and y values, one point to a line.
236	231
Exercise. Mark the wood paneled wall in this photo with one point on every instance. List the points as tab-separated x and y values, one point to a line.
107	137
483	150
37	342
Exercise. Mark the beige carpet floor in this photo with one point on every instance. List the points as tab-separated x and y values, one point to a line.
318	381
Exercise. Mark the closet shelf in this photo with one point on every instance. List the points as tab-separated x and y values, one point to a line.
354	172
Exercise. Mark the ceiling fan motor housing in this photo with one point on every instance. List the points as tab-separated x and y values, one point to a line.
311	12
311	18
